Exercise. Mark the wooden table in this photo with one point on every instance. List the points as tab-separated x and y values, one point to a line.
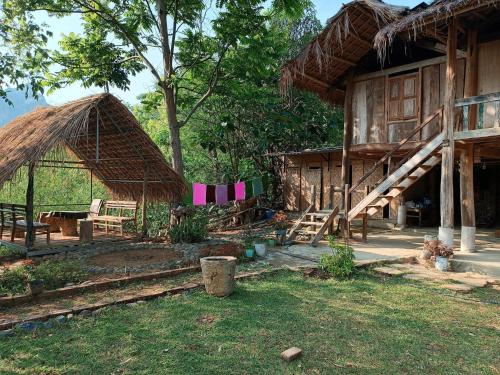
68	221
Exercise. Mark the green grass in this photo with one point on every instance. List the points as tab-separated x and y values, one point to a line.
368	325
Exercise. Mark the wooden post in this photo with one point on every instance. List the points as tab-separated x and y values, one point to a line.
446	228
347	203
145	203
471	76
347	134
30	235
467	207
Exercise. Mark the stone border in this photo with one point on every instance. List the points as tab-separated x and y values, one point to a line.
122	301
93	286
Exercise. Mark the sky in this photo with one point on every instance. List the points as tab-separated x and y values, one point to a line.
143	82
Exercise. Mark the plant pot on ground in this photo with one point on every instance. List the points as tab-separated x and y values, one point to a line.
36	286
260	247
218	275
440	254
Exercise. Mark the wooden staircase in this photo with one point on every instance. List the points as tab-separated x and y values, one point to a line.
411	168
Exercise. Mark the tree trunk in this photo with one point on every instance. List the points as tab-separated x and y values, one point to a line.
175	134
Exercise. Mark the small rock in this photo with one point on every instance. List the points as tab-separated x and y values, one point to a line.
291	354
61	319
69	316
140	302
388	271
461	288
7	333
27	326
85	313
132	304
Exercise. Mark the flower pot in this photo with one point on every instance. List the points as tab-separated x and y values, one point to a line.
260	249
442	264
280	236
250	252
271	242
36	287
218	275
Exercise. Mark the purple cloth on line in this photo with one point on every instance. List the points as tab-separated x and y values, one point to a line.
239	191
199	194
221	194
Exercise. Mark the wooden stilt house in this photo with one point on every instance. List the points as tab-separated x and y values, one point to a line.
420	91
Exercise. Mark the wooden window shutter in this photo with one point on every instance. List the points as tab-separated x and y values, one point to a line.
403	91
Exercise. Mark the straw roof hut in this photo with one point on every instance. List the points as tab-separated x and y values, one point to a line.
322	65
103	135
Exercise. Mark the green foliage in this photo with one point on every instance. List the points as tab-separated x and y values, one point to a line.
190	230
55	274
339	264
14	280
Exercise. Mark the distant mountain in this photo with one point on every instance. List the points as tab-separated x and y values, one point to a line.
20	105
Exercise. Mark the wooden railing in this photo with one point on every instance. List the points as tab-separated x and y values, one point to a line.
473	111
388	155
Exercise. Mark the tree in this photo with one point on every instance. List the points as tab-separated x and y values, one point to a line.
119	40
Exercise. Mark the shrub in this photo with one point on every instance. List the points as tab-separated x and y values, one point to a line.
191	229
56	274
438	249
14	280
339	264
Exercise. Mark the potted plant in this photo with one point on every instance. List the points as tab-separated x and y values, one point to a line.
248	241
440	254
280	224
260	246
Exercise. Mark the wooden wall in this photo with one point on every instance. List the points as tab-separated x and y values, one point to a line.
370	111
489	78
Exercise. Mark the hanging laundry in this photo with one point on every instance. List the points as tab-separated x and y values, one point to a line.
231	193
248	189
199	194
258	189
188	198
221	194
239	191
210	193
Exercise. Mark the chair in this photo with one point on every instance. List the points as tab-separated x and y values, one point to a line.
14	216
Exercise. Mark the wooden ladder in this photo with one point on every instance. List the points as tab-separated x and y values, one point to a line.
400	180
312	223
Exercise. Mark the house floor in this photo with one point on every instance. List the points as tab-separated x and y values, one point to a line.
385	244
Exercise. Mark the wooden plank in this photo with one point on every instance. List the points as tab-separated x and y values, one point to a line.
348	124
447	153
487	98
319	235
30	233
430	98
489	78
399	69
477	134
291	188
378	127
471	78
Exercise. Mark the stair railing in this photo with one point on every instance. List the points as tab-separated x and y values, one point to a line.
427	121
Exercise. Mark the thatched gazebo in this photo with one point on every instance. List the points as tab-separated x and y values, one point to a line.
103	136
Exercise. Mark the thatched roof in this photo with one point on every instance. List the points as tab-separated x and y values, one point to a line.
348	36
426	20
103	135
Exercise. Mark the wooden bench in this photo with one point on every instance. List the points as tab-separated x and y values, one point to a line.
116	221
13	216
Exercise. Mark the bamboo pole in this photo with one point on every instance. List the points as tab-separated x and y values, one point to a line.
30	235
145	203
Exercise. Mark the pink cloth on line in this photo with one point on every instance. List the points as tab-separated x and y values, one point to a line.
239	191
221	194
199	194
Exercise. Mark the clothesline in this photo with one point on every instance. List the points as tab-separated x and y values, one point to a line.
222	194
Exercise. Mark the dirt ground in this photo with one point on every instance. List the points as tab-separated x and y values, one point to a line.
130	258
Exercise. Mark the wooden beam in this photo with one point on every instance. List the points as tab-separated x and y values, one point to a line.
401	68
145	203
30	234
477	134
486	98
439	47
448	144
348	125
471	76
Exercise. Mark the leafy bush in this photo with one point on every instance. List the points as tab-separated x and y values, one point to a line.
339	264
8	253
55	274
14	280
191	229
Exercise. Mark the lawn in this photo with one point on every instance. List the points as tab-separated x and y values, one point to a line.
366	325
